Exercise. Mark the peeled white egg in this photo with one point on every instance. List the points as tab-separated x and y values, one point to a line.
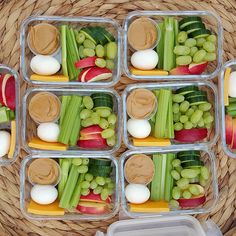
137	193
138	128
144	59
44	65
232	84
44	194
48	132
5	142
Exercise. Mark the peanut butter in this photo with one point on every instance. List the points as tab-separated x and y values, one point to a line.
139	169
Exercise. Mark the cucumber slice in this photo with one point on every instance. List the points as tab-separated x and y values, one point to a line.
194	27
197	100
107	34
103	103
184	153
187	89
191	164
189	21
99	162
103	171
89	35
201	33
189	158
195	94
103	95
99	35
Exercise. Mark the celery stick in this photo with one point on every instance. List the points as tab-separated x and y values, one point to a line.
168	177
162	112
65	167
69	188
176	30
160	46
72	33
163	176
64	103
156	182
63	50
76	194
170	124
169	41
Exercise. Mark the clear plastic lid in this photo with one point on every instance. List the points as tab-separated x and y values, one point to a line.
164	226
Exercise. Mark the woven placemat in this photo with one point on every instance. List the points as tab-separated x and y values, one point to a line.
12	12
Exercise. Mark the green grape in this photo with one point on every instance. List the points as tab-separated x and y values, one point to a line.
110	191
85	184
194	125
95	118
81	49
200	123
175	174
108	180
80	37
176	193
179	169
190	42
85	192
208	126
193	50
183	60
89	44
209	46
189	173
111	141
181	50
184	106
210	56
110	64
203	182
112	119
208	119
112	126
211	38
88	177
85	161
176	163
196	116
98	190
178	126
100	52
174	204
77	161
176	117
205	106
111	185
88	52
194	107
83	169
103	123
183	183
88	102
100	180
178	98
87	122
200	42
104	112
175	108
193	189
93	184
108	133
187	194
111	50
182	36
104	194
85	113
206	114
188	125
189	112
183	119
100	62
204	172
199	56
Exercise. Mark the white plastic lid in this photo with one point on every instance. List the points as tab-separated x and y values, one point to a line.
163	226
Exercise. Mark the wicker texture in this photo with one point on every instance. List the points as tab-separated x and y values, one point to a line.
12	12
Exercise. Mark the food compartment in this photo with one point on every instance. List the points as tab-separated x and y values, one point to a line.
9	113
168	182
71	120
170	114
72	51
172	44
69	187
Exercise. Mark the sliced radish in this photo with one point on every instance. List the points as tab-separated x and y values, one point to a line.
93	129
97	73
83	74
10	93
190	135
192	202
180	70
1	80
93	143
233	141
86	62
228	129
197	68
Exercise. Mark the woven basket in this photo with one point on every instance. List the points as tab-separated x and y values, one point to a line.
12	12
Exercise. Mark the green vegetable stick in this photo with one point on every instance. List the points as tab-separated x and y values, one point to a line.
163	176
160	46
64	50
170	123
69	188
176	30
64	103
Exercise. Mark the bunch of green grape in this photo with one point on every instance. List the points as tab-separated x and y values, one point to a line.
192	50
104	117
99	185
186	116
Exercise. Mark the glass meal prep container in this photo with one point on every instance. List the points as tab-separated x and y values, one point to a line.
8	126
213	23
163	226
212	96
69	214
29	125
225	131
78	22
210	190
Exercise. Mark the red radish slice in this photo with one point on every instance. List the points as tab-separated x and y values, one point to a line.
192	202
180	70
190	135
86	62
233	141
93	143
83	74
9	94
1	80
228	129
197	69
97	73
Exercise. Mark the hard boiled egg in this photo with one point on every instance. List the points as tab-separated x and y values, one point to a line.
44	65
232	84
5	142
138	128
144	59
44	194
137	193
48	132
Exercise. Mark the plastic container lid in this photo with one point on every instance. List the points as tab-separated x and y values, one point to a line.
163	226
